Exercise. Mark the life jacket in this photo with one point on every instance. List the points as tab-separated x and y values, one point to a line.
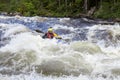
50	35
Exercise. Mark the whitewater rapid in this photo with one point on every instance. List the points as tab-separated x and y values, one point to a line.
92	52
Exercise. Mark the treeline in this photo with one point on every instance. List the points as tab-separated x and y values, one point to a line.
63	8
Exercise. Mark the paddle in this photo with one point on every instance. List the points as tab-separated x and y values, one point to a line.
39	31
66	40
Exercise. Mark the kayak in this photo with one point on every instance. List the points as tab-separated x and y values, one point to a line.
59	40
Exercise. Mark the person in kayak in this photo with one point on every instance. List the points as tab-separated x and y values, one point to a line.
50	34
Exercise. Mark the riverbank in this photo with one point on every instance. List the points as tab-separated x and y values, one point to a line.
84	18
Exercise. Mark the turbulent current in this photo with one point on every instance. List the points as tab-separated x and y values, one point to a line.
88	50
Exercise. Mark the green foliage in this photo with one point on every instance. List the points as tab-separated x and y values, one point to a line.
26	8
42	7
2	6
62	8
116	10
104	11
108	10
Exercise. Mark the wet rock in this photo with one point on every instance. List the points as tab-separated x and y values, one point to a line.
117	20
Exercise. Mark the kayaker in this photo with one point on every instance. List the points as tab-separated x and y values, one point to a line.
51	34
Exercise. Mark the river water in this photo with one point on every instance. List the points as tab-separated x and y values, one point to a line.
88	51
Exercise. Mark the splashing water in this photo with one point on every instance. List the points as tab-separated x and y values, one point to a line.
91	54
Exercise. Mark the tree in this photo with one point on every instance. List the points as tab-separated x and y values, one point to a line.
86	5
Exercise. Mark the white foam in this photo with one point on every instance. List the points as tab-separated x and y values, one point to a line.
86	60
40	77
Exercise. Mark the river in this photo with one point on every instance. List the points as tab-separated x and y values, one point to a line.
88	51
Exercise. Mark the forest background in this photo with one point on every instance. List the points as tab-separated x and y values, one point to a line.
105	9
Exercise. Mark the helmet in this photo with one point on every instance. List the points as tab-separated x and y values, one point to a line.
50	30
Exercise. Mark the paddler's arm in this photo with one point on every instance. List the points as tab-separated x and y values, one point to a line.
44	36
57	36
